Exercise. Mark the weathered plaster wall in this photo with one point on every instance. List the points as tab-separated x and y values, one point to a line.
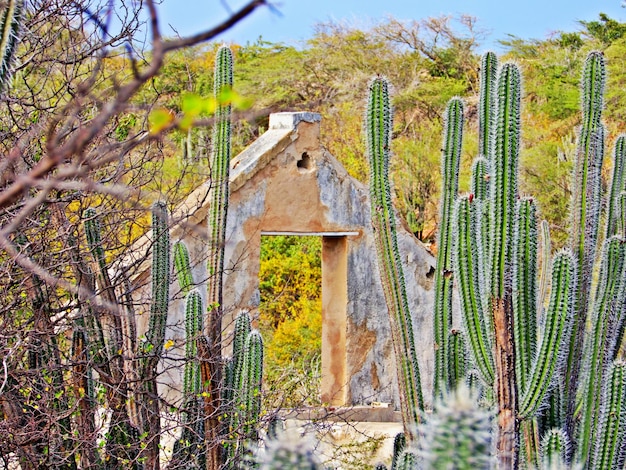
287	182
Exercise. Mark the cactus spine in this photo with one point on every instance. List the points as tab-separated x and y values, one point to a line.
450	161
378	136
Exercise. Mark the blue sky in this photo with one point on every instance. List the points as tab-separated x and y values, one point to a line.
523	18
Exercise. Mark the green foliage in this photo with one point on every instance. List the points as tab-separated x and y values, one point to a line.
606	30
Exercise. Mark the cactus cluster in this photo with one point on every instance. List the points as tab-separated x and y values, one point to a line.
241	393
115	369
545	366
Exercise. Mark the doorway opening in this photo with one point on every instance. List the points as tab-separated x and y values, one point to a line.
302	316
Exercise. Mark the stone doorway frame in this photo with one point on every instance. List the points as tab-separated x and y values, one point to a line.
334	379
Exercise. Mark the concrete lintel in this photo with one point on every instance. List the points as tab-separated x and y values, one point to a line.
314	234
291	120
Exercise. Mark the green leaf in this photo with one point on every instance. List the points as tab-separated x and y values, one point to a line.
159	119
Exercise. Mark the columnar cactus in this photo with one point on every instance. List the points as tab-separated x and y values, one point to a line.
399	444
220	168
241	393
585	214
378	135
450	160
618	183
11	19
182	267
123	438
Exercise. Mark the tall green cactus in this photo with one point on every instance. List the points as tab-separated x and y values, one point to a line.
555	449
123	438
378	135
585	214
159	304
618	183
11	19
450	161
220	168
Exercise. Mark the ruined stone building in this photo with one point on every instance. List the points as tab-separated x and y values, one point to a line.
286	182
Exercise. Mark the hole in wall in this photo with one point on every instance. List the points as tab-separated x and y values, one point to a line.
431	272
305	162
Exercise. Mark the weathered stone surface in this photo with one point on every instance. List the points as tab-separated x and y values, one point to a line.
287	182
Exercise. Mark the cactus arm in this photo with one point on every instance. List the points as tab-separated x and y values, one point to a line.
466	261
504	168
253	373
242	330
502	210
399	445
217	218
378	135
220	169
558	313
450	161
610	448
617	186
407	461
480	178
183	267
159	304
192	384
486	103
458	434
457	363
525	289
555	448
606	304
546	249
585	213
11	18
